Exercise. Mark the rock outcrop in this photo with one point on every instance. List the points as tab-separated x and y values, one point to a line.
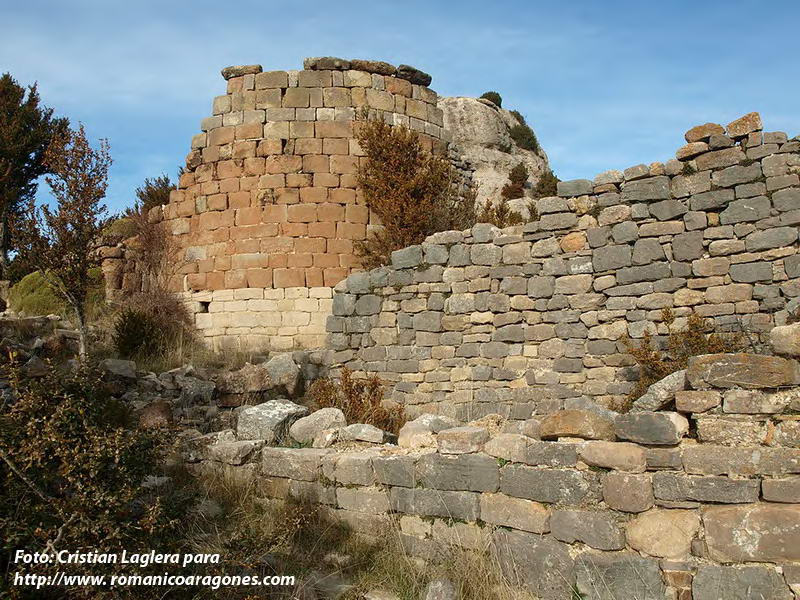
480	132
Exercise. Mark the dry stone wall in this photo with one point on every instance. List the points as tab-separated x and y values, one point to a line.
267	210
582	503
505	321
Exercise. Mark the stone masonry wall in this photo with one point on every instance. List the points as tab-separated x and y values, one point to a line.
501	321
582	503
267	211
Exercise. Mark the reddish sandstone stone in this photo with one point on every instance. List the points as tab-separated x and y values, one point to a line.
283	163
745	125
325	230
327	180
344	164
235	279
316	163
313	194
310	245
275	213
287	196
335	146
215	280
257	278
333	276
326	260
293	229
298	180
702	133
299	260
343	195
302	213
239	200
284	278
351	231
314	277
355	213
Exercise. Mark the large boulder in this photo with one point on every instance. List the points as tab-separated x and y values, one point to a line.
268	421
652	428
194	390
280	376
481	133
123	369
753	533
285	374
305	429
235	453
615	576
362	432
739	583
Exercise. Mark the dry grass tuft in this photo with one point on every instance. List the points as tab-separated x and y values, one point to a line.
361	400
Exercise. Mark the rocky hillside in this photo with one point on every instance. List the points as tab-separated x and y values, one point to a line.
481	131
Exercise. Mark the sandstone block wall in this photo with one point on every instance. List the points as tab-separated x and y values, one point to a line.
637	510
267	211
499	321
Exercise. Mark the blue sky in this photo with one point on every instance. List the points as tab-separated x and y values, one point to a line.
604	84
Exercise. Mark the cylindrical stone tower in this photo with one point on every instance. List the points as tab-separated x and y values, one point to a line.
267	211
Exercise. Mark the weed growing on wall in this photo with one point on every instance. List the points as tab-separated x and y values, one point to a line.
680	345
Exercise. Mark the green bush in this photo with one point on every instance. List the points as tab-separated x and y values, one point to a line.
33	297
524	137
493	97
547	185
124	227
137	333
515	188
522	134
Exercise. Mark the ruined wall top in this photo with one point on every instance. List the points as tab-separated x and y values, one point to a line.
516	320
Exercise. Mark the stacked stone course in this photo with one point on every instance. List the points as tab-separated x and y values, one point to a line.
267	212
519	320
610	506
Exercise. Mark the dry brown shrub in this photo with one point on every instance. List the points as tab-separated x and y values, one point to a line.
681	344
412	191
361	400
154	317
499	214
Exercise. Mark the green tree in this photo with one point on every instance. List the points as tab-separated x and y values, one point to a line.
153	192
61	242
26	130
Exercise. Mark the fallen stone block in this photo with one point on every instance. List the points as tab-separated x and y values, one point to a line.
749	371
656	428
576	423
305	429
269	421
